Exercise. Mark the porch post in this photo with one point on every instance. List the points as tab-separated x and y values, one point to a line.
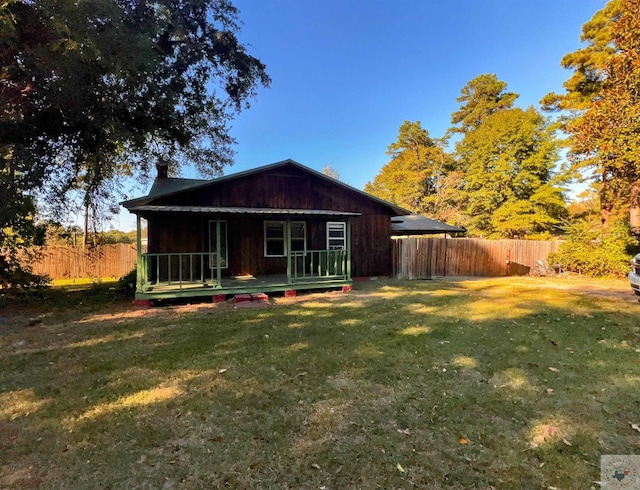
218	256
288	250
139	264
348	248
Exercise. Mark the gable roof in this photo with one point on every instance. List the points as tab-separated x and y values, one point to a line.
172	186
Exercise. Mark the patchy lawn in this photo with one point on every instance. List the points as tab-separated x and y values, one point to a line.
496	383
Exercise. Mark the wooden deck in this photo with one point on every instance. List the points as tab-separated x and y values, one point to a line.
237	285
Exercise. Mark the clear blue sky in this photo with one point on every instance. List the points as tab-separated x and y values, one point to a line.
346	73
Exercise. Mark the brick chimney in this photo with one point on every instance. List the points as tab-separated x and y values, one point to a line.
163	170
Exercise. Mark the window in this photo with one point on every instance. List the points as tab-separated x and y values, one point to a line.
298	236
223	244
336	235
275	238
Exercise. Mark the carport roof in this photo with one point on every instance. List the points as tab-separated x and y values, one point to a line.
415	224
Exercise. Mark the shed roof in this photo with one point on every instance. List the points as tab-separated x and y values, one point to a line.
415	224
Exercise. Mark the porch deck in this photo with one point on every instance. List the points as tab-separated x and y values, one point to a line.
237	285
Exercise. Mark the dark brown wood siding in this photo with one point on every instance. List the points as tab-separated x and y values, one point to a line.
285	187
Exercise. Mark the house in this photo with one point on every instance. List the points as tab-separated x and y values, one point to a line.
281	227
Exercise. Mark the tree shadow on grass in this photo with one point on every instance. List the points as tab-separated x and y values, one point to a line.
425	384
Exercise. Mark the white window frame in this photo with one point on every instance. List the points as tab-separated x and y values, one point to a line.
223	243
335	225
283	224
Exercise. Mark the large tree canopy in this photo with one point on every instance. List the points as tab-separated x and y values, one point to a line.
95	89
508	165
606	135
413	175
507	156
587	63
600	108
500	181
481	97
85	80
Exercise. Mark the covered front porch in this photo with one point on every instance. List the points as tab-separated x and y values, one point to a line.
229	264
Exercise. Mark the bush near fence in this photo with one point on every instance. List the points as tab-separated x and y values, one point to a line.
422	258
79	263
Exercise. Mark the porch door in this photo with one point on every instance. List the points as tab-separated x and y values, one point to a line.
213	239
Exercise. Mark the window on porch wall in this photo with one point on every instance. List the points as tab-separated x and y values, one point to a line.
275	238
336	235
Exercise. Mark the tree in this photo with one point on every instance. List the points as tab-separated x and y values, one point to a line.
601	108
607	133
95	90
329	171
588	63
507	156
416	174
481	97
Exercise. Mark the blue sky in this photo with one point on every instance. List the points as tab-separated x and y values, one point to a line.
346	73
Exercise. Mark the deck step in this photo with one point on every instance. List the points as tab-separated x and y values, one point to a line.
251	300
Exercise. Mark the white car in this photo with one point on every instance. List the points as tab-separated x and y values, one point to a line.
634	275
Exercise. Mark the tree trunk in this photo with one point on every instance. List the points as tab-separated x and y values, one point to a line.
606	201
605	213
85	235
634	208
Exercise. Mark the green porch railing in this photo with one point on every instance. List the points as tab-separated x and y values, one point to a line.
178	269
320	265
188	269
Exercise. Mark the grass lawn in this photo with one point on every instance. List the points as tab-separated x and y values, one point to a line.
494	383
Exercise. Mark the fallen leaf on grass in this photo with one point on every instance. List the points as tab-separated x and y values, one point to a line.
463	441
555	370
222	371
400	468
316	466
567	443
405	432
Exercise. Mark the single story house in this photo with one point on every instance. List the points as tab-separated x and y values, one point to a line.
281	227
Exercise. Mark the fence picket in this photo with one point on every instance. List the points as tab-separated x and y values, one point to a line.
420	258
415	258
76	263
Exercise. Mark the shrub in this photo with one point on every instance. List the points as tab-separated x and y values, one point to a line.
17	274
595	253
127	283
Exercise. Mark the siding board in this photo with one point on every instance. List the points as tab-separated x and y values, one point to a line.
283	187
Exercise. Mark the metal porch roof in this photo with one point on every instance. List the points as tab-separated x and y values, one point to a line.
237	210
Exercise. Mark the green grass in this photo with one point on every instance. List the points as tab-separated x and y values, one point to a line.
83	281
439	384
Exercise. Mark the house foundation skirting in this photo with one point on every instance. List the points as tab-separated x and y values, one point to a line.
168	292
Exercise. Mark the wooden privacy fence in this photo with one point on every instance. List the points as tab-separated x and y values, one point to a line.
422	258
413	258
75	263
